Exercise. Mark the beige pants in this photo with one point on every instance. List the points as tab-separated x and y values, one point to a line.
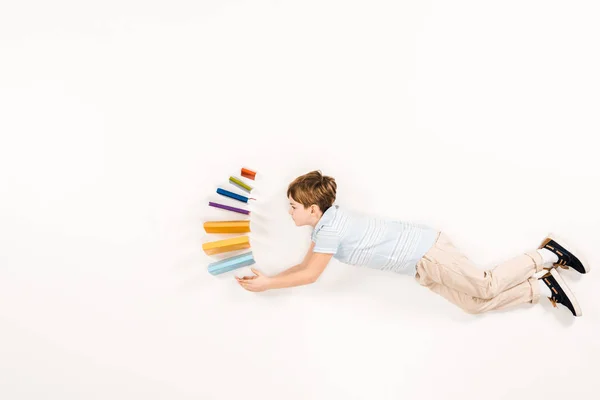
446	271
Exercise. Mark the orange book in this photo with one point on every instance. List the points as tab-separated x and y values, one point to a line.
223	246
247	173
227	226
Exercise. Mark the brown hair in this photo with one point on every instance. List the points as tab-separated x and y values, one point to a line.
313	188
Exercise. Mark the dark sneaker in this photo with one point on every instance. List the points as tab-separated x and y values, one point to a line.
560	292
564	251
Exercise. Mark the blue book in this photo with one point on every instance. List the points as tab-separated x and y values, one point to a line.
231	263
232	195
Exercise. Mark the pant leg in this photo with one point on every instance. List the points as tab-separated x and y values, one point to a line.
444	264
525	292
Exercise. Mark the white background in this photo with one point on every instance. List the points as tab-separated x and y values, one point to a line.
119	120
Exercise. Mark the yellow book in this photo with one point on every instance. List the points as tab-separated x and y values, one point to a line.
227	226
223	246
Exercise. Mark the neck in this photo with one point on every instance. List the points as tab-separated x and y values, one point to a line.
316	220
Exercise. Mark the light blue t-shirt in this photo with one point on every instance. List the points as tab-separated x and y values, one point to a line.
359	239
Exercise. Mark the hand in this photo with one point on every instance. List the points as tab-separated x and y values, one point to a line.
256	283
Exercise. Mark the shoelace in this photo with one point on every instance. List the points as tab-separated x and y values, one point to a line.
556	265
561	262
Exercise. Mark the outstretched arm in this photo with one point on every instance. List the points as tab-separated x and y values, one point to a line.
302	274
316	265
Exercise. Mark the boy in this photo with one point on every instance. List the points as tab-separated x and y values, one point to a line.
418	250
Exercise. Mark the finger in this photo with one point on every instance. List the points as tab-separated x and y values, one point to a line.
247	287
255	271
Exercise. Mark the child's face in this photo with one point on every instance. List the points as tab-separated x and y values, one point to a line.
301	216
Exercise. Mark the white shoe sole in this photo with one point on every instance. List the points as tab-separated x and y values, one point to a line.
567	291
569	248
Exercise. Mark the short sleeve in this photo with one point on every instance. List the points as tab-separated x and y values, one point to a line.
326	240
